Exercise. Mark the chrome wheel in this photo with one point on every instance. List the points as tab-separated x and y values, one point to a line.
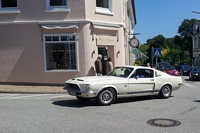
106	97
165	91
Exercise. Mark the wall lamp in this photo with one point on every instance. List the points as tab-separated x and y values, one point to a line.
118	52
93	52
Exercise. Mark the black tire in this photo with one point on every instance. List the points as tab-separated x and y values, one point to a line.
191	79
83	99
106	96
165	91
181	73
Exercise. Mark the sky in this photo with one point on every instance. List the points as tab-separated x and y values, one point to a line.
162	17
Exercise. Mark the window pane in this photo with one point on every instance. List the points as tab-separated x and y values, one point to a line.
72	38
8	3
102	3
64	38
47	38
59	56
72	46
55	38
58	3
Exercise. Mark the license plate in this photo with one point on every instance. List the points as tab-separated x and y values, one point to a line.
72	93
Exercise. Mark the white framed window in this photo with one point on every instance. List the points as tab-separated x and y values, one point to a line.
60	52
195	42
8	6
104	7
56	5
198	41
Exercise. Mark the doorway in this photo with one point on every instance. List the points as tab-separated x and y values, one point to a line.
103	51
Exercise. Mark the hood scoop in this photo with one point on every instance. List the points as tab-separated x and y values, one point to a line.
79	80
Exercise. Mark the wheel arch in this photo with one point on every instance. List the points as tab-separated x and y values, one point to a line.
106	87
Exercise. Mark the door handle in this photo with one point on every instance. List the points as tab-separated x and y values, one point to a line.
152	79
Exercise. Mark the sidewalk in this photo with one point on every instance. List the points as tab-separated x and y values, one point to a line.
32	89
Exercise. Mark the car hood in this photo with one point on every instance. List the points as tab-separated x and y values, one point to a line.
91	79
196	71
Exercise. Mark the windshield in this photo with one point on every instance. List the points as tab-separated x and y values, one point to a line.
187	67
121	72
197	68
170	68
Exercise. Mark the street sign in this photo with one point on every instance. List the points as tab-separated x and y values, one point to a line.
156	52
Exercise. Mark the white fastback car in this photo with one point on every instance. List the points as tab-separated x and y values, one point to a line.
123	81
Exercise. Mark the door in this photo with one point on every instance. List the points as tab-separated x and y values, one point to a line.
104	53
142	82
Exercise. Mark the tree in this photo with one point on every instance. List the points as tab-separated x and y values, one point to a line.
186	31
186	28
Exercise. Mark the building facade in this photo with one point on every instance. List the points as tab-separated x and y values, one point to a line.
50	41
196	43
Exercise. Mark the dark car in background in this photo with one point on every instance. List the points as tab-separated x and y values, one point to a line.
185	69
162	66
194	74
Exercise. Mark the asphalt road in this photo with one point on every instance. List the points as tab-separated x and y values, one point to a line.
50	113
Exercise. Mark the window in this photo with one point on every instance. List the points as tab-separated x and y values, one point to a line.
143	73
195	42
57	5
198	41
60	52
104	7
102	3
8	3
7	6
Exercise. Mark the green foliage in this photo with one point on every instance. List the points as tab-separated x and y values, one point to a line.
137	63
173	47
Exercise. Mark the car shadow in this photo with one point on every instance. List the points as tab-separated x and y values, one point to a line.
136	99
75	103
187	79
197	101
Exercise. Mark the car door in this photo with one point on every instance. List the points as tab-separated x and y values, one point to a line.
142	85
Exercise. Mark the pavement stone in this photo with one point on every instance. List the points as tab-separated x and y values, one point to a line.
32	89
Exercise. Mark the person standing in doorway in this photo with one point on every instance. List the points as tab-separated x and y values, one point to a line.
98	65
109	65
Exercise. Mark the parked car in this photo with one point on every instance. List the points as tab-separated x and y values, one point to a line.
171	70
194	73
185	69
123	81
162	66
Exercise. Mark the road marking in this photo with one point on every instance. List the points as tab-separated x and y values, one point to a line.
31	95
189	85
8	95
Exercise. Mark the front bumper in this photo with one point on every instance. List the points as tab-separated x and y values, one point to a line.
86	94
196	77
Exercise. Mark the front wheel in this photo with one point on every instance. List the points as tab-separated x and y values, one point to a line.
165	91
106	96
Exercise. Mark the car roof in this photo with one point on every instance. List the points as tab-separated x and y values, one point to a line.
135	67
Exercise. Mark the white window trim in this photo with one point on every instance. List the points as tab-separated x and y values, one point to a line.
76	46
106	11
8	9
56	8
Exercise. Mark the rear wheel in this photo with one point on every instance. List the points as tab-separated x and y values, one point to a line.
165	91
106	96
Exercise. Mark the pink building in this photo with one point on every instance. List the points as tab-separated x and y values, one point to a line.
50	41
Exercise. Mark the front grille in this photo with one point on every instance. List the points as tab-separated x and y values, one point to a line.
72	87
